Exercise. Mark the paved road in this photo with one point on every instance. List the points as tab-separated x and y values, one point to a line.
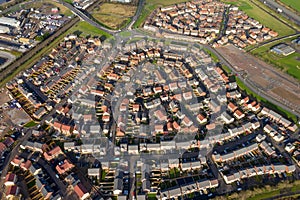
62	187
285	12
137	14
10	58
84	17
250	85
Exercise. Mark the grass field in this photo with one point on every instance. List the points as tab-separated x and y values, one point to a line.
286	63
294	4
114	15
150	6
87	29
260	15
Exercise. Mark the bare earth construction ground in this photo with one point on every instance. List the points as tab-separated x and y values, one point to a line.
266	78
114	15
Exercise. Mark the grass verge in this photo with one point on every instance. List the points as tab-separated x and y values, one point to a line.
85	29
30	124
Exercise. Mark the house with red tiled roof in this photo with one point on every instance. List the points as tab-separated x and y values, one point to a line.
273	33
245	100
64	167
201	119
16	161
157	89
160	115
238	114
67	129
176	126
231	107
158	129
11	191
98	92
135	107
57	126
10	179
52	153
25	165
81	191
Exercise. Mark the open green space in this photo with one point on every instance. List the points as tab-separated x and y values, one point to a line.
69	1
151	196
265	102
294	4
260	15
87	29
150	6
30	124
289	64
265	195
125	34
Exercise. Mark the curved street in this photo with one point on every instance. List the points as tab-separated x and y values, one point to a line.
84	17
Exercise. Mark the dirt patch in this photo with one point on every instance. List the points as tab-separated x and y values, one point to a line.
283	92
4	98
18	116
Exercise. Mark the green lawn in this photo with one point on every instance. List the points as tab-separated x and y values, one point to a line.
30	124
260	15
151	196
125	34
86	29
294	4
286	63
69	1
265	195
